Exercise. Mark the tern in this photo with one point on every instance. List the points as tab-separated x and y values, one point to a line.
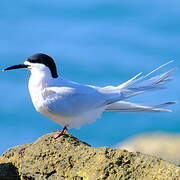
72	104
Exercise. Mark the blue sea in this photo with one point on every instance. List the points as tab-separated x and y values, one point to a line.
96	42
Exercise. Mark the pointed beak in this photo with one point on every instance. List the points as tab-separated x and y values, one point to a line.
19	66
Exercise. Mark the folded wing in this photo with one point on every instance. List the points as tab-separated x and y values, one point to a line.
68	101
123	106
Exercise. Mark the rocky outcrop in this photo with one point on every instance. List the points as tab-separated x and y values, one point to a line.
69	158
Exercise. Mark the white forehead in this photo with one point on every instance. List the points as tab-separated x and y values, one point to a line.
27	63
35	65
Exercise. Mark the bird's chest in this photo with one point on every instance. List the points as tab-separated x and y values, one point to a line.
37	99
35	90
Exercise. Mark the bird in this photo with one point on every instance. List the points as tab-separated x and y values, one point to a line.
72	104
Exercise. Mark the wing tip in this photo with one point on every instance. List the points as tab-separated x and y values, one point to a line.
162	110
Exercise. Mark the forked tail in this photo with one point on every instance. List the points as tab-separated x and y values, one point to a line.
138	85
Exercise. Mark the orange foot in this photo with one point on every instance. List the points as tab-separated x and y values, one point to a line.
60	132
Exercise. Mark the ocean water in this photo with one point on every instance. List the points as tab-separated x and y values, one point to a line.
93	42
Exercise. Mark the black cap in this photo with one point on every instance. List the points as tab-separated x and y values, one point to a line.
46	60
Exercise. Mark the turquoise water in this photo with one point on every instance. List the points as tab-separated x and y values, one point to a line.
93	42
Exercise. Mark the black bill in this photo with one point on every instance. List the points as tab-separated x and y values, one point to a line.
16	67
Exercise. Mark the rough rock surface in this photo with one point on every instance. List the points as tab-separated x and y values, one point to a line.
69	158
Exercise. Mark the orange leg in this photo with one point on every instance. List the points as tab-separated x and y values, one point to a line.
60	132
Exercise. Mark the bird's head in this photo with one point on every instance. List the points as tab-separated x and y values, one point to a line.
38	62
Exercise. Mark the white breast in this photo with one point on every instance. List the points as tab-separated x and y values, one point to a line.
36	97
37	83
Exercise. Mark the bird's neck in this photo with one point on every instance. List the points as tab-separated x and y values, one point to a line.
39	80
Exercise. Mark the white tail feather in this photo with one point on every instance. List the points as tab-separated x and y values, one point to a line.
135	86
130	81
143	77
154	83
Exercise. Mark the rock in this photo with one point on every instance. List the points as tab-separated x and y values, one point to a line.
162	145
69	158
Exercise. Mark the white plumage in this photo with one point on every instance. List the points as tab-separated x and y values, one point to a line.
71	104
